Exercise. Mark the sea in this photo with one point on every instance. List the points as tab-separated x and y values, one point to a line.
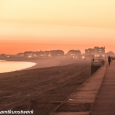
9	66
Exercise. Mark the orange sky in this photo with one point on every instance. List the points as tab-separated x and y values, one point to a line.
56	24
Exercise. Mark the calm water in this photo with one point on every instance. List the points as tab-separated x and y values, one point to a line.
8	66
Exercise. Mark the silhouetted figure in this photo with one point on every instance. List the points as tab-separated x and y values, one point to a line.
109	60
93	59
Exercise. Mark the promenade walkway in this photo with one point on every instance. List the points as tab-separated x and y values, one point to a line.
105	101
83	99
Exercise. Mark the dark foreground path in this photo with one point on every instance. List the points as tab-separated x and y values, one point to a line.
105	102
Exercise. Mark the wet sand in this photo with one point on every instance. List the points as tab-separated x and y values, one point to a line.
41	89
48	62
52	62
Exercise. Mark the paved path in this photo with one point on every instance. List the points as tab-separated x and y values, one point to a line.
105	101
81	101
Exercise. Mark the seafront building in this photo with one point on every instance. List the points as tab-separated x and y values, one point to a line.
20	54
57	53
3	55
110	53
74	53
99	51
42	54
28	54
96	51
90	52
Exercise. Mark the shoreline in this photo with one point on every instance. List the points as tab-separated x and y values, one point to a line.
46	62
11	66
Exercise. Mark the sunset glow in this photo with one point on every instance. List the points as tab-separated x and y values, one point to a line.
56	24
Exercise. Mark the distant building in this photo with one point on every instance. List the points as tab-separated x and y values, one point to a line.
48	54
110	53
3	55
28	54
40	54
99	51
96	51
34	55
11	56
57	53
20	54
89	51
74	53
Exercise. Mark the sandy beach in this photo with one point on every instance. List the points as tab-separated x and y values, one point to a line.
42	88
48	62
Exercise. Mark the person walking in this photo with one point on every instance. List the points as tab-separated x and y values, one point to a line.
109	60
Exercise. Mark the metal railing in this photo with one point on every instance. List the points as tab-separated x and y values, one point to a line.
97	62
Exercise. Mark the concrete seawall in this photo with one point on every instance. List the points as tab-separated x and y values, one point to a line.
81	101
